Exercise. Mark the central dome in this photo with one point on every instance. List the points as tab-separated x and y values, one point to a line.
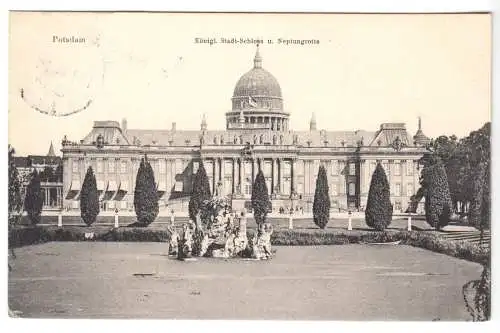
258	86
257	82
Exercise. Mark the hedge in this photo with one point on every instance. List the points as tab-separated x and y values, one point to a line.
23	236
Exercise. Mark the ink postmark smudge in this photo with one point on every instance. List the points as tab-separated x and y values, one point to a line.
65	79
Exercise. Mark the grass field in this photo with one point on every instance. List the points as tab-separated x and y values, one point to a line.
138	280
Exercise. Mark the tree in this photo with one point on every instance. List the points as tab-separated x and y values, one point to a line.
260	198
378	213
33	202
321	204
89	198
476	213
438	205
201	192
146	195
15	199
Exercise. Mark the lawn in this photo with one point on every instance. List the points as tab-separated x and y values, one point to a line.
137	280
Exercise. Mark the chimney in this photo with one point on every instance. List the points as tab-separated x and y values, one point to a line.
124	124
174	126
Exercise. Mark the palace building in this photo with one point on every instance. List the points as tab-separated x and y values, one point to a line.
257	136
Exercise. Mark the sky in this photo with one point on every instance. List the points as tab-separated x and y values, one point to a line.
366	69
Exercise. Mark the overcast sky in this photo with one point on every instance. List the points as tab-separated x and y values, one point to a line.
367	69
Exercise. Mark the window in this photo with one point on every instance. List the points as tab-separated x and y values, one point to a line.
335	167
334	189
178	166
286	186
286	168
248	188
162	166
111	166
409	168
123	205
248	168
267	168
352	169
268	184
373	166
100	167
300	188
228	168
397	169
227	186
385	165
123	167
209	168
300	168
75	165
409	190
397	189
352	189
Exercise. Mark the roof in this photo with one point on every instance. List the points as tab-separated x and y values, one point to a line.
305	138
257	82
21	162
51	150
44	160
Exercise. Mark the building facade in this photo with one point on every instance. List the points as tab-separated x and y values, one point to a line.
257	136
51	182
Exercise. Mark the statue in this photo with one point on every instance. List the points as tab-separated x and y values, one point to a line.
261	242
173	243
185	243
220	233
241	240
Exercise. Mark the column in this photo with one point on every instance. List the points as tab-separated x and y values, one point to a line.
223	175
273	175
233	173
216	173
362	183
294	175
167	176
254	170
240	180
280	175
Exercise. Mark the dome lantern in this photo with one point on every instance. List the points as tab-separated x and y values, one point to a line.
257	60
